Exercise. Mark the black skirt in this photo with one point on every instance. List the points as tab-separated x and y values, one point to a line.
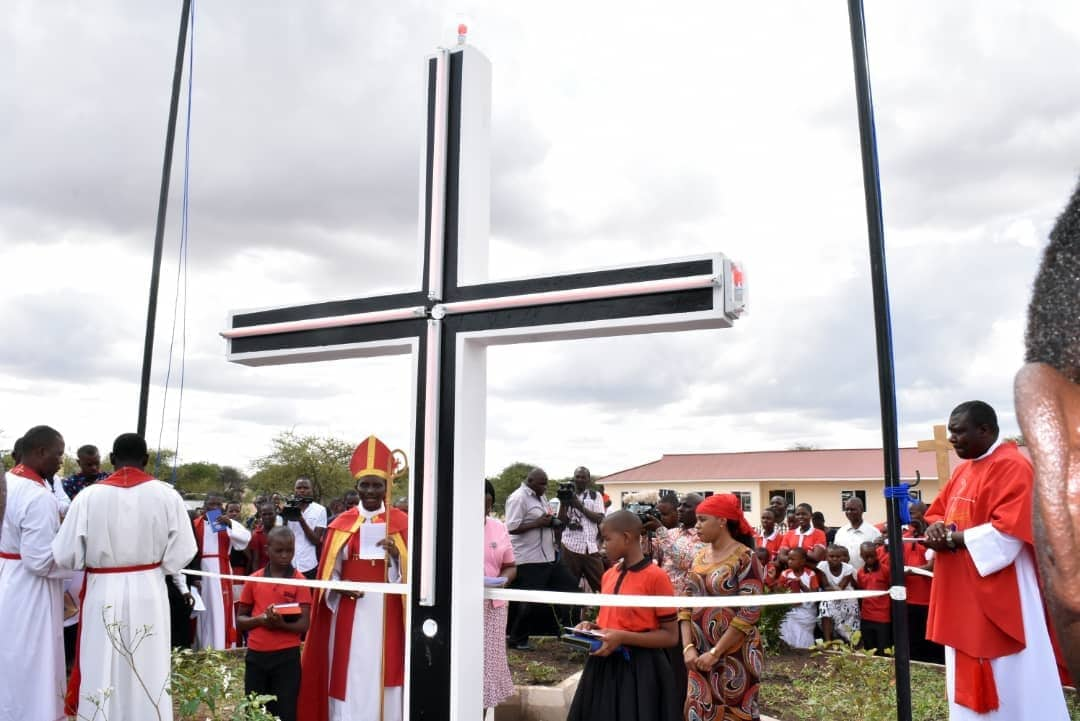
613	688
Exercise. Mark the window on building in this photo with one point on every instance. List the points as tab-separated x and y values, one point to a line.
846	495
788	495
744	499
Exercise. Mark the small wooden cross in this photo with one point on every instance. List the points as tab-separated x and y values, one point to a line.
940	447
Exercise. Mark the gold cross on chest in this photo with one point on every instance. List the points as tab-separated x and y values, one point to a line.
940	447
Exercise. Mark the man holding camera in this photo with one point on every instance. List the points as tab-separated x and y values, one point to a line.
582	511
307	521
532	528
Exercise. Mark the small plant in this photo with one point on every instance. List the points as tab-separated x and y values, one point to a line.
541	673
769	627
212	681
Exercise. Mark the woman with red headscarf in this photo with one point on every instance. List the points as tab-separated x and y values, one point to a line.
721	646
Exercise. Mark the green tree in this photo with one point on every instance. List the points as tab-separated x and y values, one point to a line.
233	481
322	459
198	478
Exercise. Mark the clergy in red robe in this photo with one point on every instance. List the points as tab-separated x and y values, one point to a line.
985	605
353	664
216	626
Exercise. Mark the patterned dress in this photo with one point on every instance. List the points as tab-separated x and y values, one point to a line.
680	546
730	690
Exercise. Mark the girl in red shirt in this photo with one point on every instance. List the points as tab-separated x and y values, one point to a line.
629	677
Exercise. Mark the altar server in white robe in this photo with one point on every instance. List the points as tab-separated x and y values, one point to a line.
126	531
31	586
216	626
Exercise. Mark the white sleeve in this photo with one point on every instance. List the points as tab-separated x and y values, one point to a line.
39	526
180	547
69	544
180	581
320	520
990	549
61	496
393	572
239	536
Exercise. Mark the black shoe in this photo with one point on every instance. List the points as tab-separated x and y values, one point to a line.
523	646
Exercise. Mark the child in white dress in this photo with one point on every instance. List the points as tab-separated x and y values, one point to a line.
839	617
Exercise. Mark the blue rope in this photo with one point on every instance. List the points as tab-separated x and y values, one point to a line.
184	228
901	492
181	275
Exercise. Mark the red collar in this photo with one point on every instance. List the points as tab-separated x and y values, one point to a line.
127	477
28	473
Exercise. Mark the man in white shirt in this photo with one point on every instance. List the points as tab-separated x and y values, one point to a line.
582	514
308	524
856	532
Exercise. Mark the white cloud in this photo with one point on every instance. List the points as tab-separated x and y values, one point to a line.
621	132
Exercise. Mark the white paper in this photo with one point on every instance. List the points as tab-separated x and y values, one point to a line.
371	534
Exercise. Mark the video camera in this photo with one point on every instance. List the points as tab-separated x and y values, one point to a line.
645	511
294	506
565	491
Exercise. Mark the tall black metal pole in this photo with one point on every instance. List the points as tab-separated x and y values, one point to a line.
159	235
883	333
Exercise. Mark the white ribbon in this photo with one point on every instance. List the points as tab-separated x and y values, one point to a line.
563	598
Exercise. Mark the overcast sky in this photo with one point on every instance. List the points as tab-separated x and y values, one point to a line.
622	132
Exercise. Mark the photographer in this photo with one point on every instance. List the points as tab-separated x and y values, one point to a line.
582	510
307	520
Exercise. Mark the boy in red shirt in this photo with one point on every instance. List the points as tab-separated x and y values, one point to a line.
275	617
876	615
629	676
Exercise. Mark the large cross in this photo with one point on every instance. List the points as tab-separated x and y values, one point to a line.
446	326
940	447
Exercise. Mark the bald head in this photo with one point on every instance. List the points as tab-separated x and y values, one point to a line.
622	522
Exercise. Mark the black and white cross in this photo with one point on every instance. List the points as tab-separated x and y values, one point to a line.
446	326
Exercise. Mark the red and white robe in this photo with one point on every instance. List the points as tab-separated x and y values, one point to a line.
216	626
354	658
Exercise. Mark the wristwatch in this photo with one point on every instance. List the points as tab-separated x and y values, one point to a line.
949	540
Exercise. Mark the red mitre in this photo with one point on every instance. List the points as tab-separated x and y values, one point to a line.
374	458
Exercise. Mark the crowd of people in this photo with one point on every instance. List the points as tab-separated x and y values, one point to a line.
91	566
96	567
972	597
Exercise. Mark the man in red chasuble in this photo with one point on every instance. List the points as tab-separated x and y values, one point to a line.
353	665
985	605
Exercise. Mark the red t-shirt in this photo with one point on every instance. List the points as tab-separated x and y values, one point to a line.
644	579
261	595
793	539
877	608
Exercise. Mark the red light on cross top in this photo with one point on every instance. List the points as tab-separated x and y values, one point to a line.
462	31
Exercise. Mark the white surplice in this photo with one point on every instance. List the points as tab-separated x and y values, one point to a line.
210	626
365	675
31	606
1027	682
111	527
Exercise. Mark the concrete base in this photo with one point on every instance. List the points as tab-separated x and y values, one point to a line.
543	703
539	703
